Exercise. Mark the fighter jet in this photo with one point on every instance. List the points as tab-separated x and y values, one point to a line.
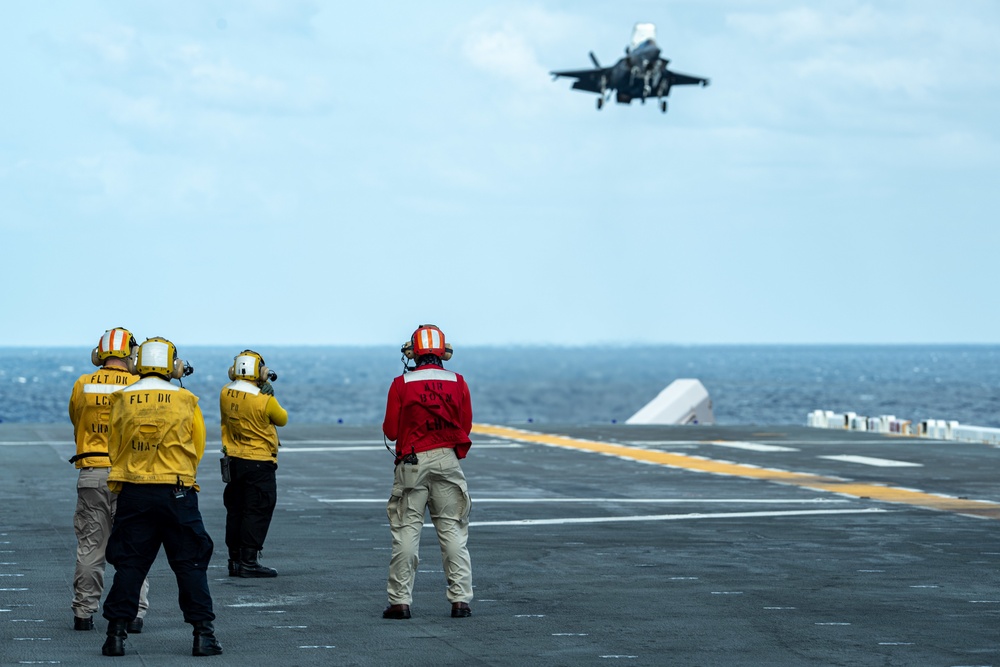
642	73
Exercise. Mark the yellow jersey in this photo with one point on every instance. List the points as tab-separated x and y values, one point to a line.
90	412
249	418
157	435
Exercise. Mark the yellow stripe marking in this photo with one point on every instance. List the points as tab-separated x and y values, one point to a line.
889	494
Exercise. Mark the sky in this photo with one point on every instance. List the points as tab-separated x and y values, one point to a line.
283	172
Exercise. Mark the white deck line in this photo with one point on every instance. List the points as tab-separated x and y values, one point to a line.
664	517
540	501
752	446
373	446
871	461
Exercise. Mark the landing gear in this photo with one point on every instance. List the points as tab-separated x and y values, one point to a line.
600	103
663	106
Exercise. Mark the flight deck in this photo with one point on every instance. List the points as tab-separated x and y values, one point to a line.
590	545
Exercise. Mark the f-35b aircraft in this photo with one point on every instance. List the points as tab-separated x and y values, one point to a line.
642	73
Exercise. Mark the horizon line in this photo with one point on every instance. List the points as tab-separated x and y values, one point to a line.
611	344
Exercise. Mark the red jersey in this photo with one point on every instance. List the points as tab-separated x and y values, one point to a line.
429	408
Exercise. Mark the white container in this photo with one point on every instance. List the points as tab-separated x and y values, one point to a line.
816	419
984	434
899	426
837	420
683	401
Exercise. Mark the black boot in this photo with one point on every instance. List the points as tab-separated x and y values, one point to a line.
250	568
205	642
234	562
115	643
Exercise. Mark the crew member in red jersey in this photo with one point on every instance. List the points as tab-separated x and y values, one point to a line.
429	415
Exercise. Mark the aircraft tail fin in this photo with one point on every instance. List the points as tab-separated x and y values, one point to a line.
593	59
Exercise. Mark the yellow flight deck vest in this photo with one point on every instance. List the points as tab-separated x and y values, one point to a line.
248	431
90	412
157	435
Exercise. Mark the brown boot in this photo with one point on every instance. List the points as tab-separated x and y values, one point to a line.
398	612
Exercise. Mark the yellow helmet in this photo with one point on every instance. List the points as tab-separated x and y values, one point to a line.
117	342
156	356
248	365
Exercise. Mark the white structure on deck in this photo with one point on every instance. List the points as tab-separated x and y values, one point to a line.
682	402
938	429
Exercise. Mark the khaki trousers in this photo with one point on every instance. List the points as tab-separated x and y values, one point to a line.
436	483
95	511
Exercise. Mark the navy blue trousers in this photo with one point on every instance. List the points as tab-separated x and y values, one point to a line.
250	497
150	516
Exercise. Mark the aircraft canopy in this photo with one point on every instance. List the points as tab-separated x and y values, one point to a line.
642	32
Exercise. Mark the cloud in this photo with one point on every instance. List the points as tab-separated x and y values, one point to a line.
807	25
506	44
856	49
914	77
503	52
116	44
216	78
148	76
144	112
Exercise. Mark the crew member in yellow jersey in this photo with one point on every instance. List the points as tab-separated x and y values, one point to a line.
90	410
250	413
157	440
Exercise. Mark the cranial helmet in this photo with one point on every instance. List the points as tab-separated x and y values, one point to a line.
248	365
117	342
427	339
156	356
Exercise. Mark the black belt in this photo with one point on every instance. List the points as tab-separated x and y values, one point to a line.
85	455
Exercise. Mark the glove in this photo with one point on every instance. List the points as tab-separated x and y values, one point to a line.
266	388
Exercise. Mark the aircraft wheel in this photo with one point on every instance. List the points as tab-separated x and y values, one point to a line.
600	103
663	106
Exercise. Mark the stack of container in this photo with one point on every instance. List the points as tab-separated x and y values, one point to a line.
938	429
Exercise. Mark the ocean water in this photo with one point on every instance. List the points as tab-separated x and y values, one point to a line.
760	384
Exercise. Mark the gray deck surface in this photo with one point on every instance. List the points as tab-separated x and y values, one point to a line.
637	563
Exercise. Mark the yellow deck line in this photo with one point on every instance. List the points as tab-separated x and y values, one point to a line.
890	494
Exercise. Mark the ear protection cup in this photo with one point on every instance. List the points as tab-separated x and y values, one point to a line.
178	372
264	372
94	359
131	361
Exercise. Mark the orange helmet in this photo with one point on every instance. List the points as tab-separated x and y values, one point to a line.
427	339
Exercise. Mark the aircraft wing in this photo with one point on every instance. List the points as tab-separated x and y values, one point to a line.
587	79
678	79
